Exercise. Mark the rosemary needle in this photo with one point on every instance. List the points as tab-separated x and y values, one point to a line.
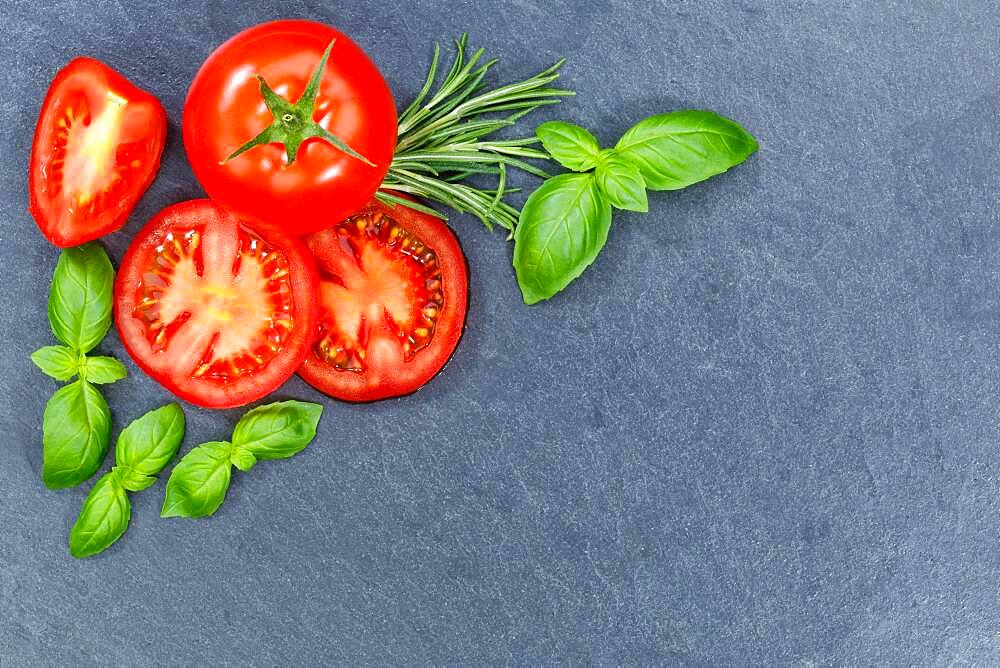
444	137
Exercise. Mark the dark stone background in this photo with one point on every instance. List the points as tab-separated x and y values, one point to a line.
762	428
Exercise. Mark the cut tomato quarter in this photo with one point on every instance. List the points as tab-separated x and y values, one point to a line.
96	150
393	292
217	312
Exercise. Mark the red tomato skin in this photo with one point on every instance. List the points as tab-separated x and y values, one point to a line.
224	109
40	153
354	387
128	279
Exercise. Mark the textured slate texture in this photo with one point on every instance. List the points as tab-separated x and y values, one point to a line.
761	429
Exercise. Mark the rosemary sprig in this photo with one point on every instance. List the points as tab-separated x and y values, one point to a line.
444	138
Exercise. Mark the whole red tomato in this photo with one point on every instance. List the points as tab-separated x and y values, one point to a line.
290	124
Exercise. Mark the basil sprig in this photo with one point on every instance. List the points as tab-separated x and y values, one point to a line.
565	222
198	484
143	449
76	425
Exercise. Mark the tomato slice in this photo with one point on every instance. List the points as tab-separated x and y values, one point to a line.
217	312
96	150
393	293
294	188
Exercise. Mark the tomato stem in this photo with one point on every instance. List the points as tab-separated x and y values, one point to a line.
294	123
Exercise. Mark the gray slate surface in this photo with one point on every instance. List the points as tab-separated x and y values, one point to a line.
761	429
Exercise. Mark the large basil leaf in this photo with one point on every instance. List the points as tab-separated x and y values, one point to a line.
151	441
277	430
76	428
81	295
198	484
674	150
103	518
563	226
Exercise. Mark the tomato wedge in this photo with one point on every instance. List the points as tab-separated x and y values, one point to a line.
393	294
217	312
96	150
277	160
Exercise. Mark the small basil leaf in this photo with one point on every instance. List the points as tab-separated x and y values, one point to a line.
242	459
60	362
131	479
102	520
198	484
102	370
563	226
277	430
621	183
151	441
572	146
80	296
76	429
674	150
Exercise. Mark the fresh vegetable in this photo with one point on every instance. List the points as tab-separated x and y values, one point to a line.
76	425
97	148
143	449
565	222
289	123
444	138
216	311
392	293
198	484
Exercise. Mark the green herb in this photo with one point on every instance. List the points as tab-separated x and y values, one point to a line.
76	425
60	362
143	449
676	150
80	297
444	137
198	484
565	222
76	429
563	227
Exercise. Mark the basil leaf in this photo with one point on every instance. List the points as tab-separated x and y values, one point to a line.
277	430
59	362
80	296
242	459
674	150
76	428
133	480
563	226
103	518
102	370
574	147
621	183
151	441
198	484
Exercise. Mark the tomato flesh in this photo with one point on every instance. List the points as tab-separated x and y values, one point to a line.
393	291
225	109
216	311
97	148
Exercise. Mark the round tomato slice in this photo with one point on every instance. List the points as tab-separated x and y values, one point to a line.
277	160
393	294
97	148
217	312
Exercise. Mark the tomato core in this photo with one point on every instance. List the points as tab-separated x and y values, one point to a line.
247	306
385	277
218	312
393	290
